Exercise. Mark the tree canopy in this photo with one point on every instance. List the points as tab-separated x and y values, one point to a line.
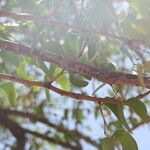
74	74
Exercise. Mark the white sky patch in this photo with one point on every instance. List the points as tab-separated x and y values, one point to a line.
11	24
61	42
122	6
102	38
85	49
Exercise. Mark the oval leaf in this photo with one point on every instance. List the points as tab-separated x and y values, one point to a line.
10	91
107	66
138	107
107	144
118	111
77	81
126	140
62	80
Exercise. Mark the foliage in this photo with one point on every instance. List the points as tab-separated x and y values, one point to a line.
112	37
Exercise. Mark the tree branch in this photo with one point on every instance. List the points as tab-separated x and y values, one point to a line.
20	133
49	139
37	118
15	129
48	20
76	96
140	96
108	77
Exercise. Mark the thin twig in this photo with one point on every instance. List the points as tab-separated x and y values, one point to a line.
98	88
141	123
106	125
140	96
76	96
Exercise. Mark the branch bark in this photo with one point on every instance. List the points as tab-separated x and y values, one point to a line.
20	133
15	129
48	20
34	117
47	85
52	140
99	74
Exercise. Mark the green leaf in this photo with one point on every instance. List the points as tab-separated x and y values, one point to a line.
107	144
107	66
133	121
10	91
62	80
78	82
66	112
118	111
44	68
47	95
138	107
21	70
4	101
39	110
78	115
47	90
117	124
2	27
49	71
126	140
